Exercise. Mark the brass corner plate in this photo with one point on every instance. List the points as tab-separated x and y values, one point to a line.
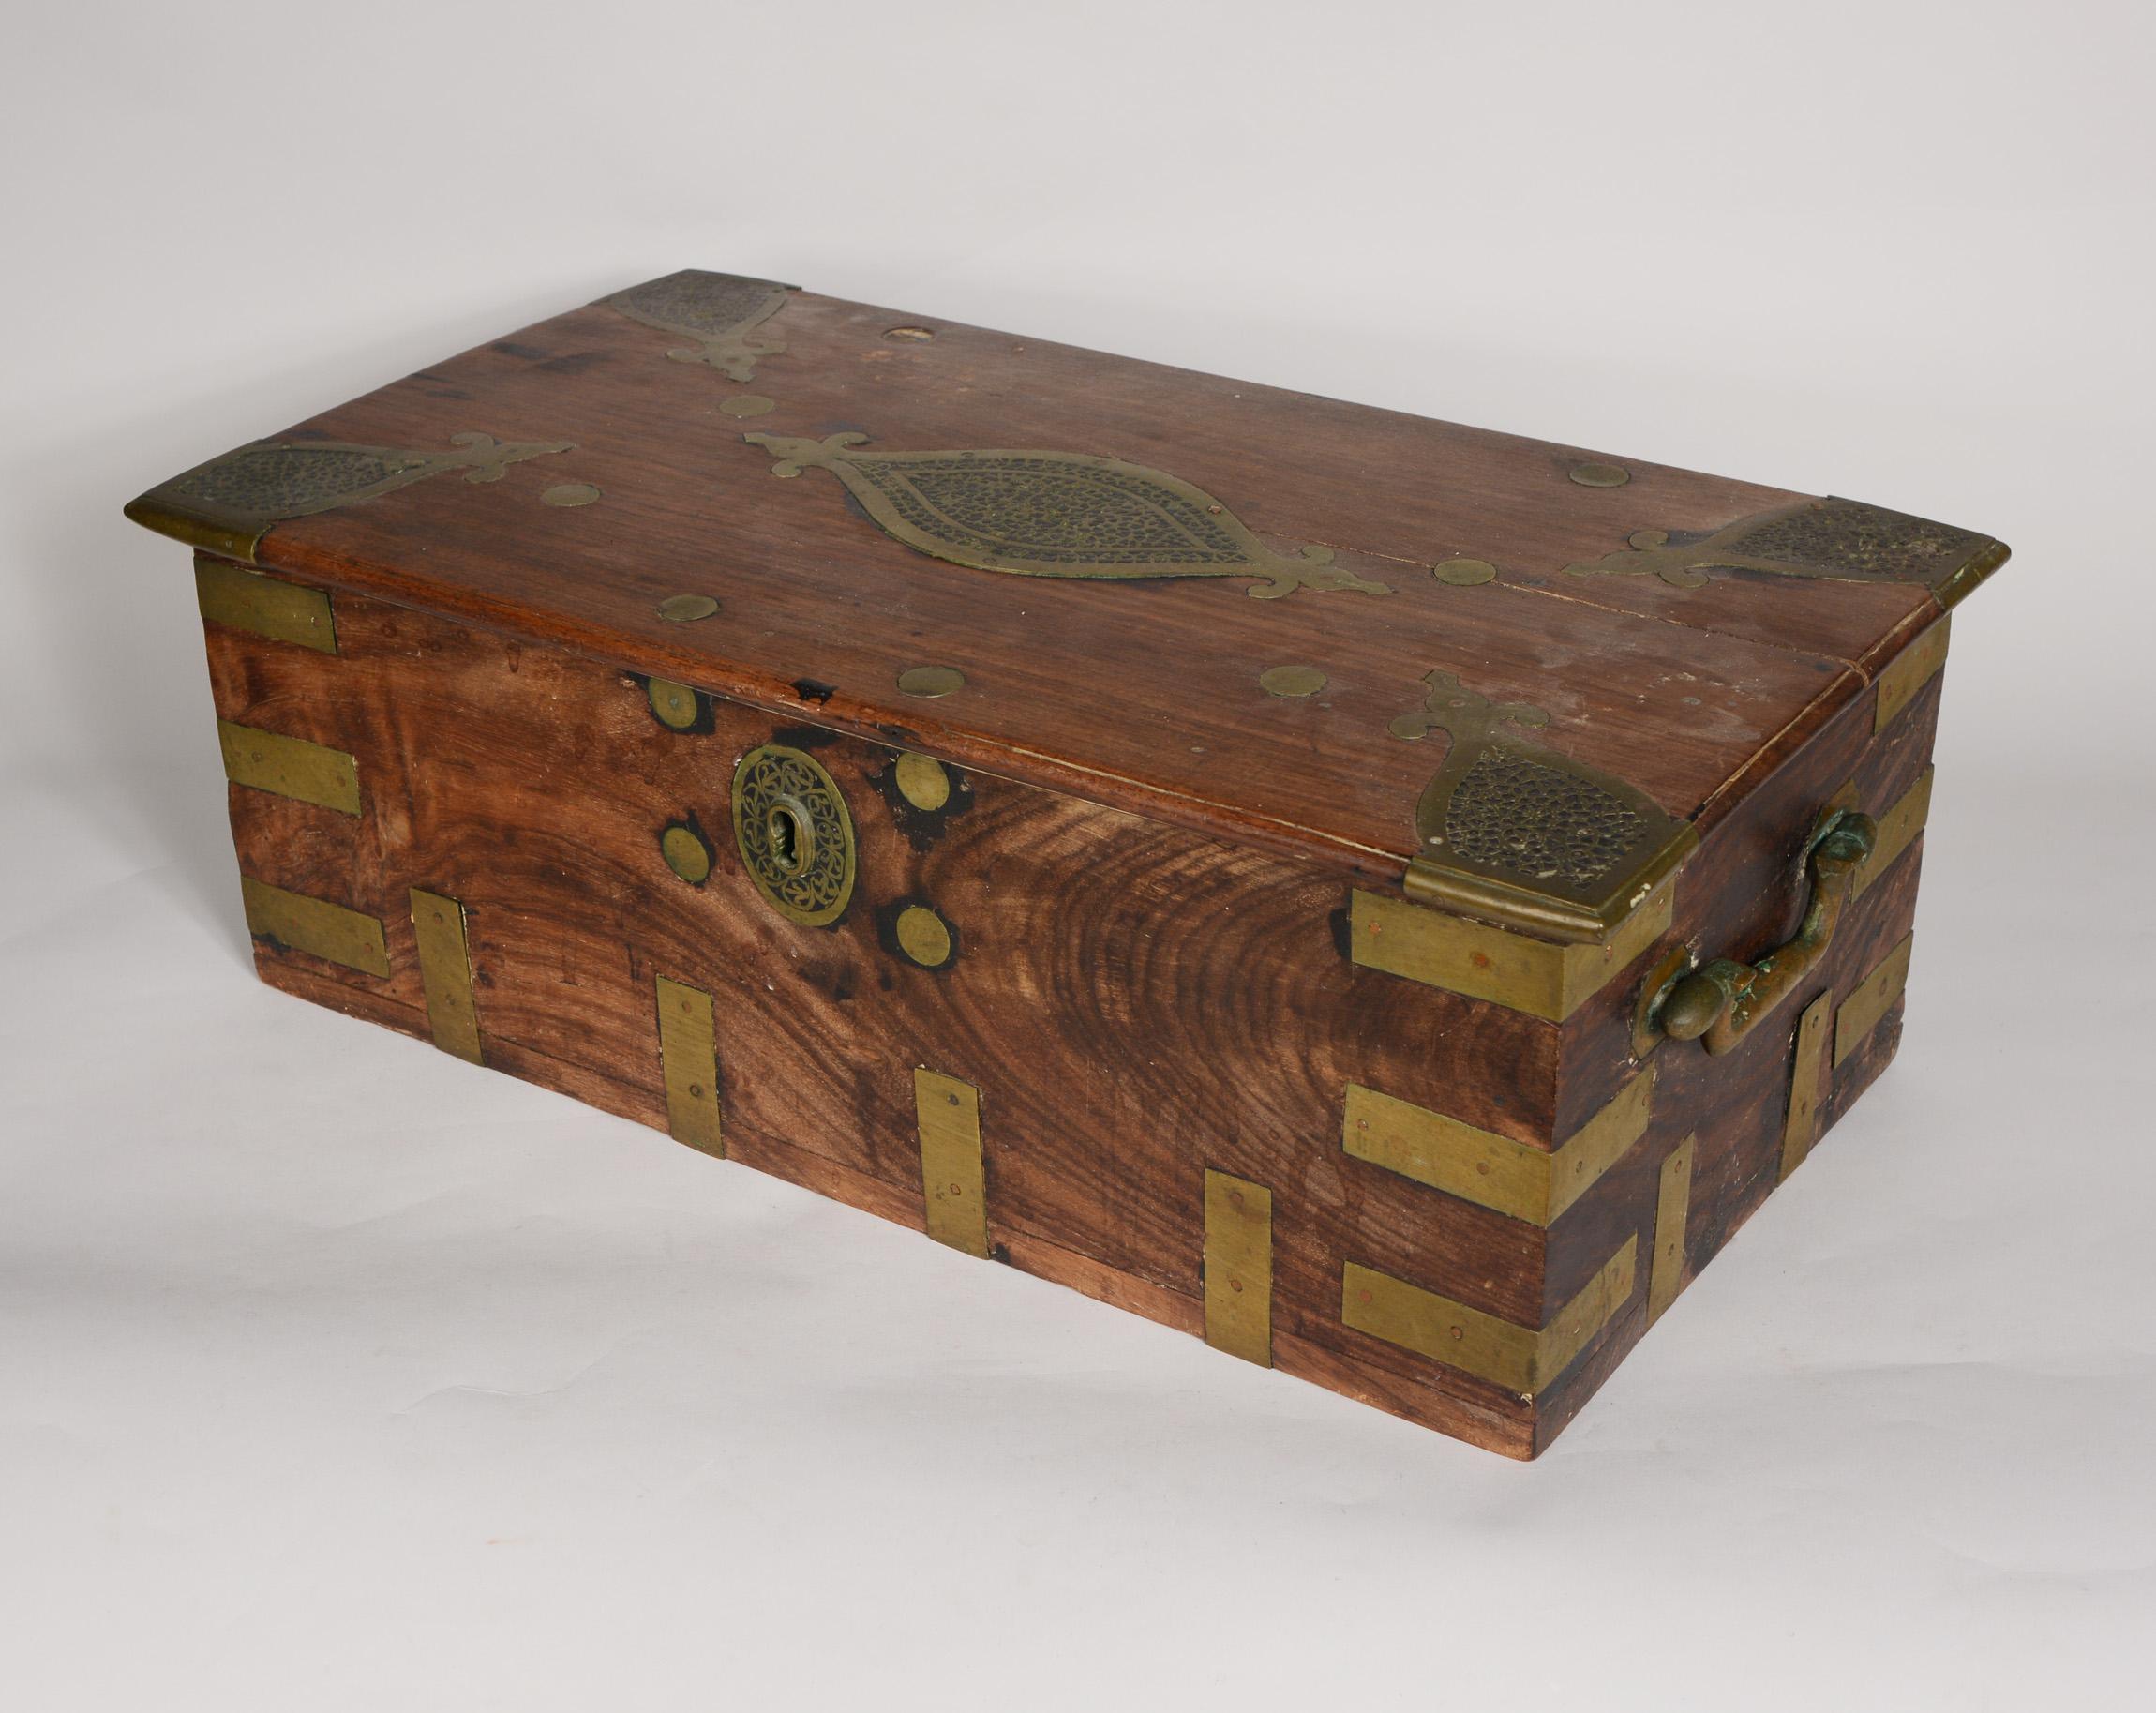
1835	539
718	311
227	505
954	1179
1524	835
1910	671
290	767
1522	1360
267	605
1238	1267
689	1063
1543	978
445	974
1055	513
299	923
1524	1182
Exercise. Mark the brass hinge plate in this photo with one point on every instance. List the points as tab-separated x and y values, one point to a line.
1528	1183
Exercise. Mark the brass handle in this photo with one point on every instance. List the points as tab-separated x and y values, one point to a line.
1720	1004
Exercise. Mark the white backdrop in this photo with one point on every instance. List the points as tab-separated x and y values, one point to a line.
336	1374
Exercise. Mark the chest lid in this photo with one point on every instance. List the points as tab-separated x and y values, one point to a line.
1521	678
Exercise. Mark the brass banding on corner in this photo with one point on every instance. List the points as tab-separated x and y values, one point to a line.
1523	1359
953	1182
1910	671
1239	1267
1673	1213
446	973
290	767
316	927
1528	1183
267	605
1872	999
1541	977
689	1062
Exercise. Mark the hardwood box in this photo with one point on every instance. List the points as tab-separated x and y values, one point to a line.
850	741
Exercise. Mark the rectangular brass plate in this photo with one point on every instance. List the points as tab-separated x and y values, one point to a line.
1910	671
316	927
1536	976
1493	1171
1520	1358
445	972
1807	1083
1872	999
1897	830
268	606
1672	1211
689	1060
1239	1268
290	767
954	1190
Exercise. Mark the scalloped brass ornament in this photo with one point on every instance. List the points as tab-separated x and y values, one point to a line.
716	310
1056	514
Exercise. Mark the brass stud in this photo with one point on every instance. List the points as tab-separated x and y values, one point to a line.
686	854
1465	572
675	704
570	493
931	680
686	609
1290	680
1601	476
923	782
924	936
748	404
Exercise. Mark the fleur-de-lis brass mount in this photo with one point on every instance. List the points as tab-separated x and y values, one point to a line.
1056	514
1525	834
717	311
228	505
1833	540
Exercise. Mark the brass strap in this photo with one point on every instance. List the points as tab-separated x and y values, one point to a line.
1530	1183
689	1062
1910	671
1872	999
1520	1358
1672	1215
267	605
316	927
1898	828
1809	1081
953	1187
290	767
446	973
1239	1268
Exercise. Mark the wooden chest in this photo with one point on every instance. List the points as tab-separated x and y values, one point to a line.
1388	898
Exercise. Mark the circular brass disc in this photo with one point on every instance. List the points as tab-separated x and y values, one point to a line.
748	404
1290	680
924	936
931	680
686	854
1601	476
923	782
675	704
1465	572
686	609
570	493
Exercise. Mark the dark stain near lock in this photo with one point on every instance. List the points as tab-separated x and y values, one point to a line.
1342	933
814	690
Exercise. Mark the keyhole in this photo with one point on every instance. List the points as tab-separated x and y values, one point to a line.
788	833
